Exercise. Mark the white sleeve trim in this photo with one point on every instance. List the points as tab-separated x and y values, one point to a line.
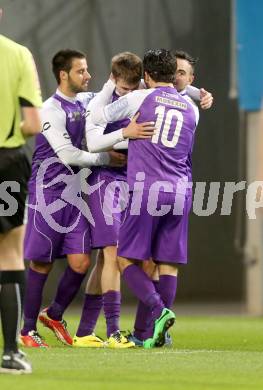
121	145
193	93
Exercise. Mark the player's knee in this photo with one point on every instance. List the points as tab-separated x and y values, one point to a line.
80	264
42	268
149	268
168	269
123	263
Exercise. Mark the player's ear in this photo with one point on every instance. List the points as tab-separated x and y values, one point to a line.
63	75
192	77
146	77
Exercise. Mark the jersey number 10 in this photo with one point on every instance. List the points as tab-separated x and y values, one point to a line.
164	121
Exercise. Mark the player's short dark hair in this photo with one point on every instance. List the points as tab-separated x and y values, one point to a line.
62	60
160	64
127	66
183	55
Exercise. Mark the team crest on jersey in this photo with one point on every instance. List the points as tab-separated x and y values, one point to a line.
75	116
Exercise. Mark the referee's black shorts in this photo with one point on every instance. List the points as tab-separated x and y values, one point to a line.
14	168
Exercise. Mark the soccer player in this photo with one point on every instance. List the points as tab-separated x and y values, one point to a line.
93	298
184	77
126	71
19	93
58	158
161	163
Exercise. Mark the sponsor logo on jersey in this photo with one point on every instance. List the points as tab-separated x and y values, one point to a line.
66	135
46	126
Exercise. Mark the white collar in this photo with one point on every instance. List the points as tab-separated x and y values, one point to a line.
68	98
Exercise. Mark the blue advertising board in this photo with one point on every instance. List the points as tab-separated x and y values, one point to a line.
249	34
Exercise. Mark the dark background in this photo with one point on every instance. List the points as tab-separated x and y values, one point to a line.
103	28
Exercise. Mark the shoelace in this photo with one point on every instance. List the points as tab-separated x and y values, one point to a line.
37	338
64	323
118	336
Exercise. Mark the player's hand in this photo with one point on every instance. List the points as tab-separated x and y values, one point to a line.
139	130
207	99
117	159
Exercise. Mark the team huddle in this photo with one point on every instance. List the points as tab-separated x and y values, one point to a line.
111	172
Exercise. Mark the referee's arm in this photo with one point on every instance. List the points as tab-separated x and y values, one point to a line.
30	124
29	96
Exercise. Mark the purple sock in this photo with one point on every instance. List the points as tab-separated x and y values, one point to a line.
33	299
167	289
111	306
142	320
90	314
143	287
143	317
68	287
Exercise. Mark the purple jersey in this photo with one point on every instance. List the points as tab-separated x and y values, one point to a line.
166	156
64	117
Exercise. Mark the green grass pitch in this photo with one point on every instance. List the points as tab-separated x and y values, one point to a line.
209	353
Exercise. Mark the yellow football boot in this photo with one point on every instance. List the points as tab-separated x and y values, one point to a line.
90	341
117	340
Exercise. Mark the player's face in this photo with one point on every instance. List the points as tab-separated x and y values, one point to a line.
78	76
122	87
184	74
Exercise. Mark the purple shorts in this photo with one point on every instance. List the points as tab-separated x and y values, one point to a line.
106	205
67	231
152	235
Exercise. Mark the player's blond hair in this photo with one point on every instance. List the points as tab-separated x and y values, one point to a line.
127	66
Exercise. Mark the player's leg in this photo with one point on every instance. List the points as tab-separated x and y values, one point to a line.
170	249
167	284
110	282
41	247
143	313
76	246
69	284
85	336
142	286
104	235
135	242
36	278
68	287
